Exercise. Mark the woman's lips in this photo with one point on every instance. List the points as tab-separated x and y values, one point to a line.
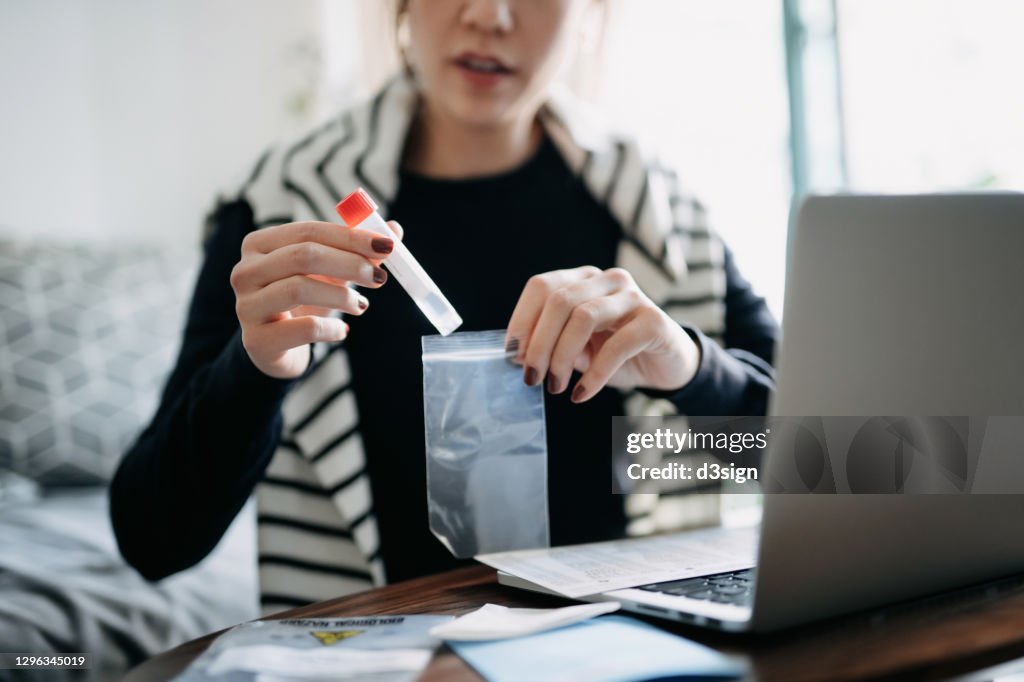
482	71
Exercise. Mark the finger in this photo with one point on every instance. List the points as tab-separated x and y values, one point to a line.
288	294
583	360
624	344
364	242
558	307
531	303
329	280
587	319
396	228
319	311
310	258
283	335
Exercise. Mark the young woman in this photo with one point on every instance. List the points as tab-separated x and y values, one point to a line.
529	216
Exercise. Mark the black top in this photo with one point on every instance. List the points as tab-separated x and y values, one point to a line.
481	240
189	473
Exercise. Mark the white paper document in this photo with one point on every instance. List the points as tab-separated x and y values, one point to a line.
394	648
493	621
580	570
281	662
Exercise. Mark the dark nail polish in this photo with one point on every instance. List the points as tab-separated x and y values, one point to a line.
362	303
554	385
379	276
512	346
530	376
382	245
577	393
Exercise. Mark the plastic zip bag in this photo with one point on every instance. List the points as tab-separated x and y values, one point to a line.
486	444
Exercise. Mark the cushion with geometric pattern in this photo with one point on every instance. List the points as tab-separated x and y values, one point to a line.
88	334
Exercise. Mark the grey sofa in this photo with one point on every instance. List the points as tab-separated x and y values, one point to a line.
87	336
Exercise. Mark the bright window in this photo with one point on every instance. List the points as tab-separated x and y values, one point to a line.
932	93
705	83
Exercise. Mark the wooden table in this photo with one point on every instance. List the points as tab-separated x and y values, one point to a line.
928	640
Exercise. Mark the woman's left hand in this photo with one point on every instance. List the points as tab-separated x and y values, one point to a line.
599	323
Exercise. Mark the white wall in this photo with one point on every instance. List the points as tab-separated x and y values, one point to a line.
122	118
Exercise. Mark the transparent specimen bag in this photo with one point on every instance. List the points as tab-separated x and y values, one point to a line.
486	446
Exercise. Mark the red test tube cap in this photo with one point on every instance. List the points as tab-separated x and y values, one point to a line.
356	207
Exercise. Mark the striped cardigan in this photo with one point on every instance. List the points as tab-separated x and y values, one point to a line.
317	533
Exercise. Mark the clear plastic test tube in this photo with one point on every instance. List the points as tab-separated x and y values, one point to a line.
358	210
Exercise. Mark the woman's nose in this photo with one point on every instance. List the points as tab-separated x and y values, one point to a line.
490	16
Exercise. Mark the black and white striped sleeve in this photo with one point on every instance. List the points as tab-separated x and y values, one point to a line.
189	473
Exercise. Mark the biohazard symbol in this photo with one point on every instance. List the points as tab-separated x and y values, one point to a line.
327	638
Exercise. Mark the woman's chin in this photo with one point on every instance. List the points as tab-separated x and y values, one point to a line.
482	115
474	108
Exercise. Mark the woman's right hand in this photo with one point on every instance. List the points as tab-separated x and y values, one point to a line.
289	280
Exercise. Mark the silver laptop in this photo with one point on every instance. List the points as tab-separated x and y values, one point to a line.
894	305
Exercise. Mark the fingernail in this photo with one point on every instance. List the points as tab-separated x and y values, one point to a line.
554	385
382	245
362	303
578	393
512	346
379	276
530	376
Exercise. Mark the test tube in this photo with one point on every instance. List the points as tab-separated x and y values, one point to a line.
358	209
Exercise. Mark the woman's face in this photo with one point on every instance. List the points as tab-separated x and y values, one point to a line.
490	62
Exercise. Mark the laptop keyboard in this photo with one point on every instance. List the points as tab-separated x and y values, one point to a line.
734	587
